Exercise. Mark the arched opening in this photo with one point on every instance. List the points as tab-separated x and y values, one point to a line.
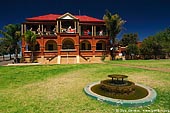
101	45
37	47
68	44
85	45
51	45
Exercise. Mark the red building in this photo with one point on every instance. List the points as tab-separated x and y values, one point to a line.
66	38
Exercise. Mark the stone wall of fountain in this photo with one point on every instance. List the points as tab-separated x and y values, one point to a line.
123	88
118	91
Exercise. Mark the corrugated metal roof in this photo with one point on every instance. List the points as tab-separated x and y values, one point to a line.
53	17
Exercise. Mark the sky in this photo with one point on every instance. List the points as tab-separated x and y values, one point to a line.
145	17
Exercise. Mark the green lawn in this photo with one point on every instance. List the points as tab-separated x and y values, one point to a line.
59	88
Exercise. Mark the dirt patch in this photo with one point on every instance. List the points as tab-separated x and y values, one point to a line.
143	67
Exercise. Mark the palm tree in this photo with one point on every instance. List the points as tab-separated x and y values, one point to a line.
114	25
30	39
12	35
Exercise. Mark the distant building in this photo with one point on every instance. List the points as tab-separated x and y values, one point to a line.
66	39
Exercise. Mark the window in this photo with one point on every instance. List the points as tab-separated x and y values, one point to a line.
37	47
50	47
83	46
99	46
89	47
68	44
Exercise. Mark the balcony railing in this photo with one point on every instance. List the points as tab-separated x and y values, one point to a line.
101	33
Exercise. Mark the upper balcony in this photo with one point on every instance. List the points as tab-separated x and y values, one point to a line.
65	24
93	30
52	24
66	27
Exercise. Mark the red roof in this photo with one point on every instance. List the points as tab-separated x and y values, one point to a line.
53	17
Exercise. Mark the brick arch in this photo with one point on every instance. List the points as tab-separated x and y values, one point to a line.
68	43
100	41
37	46
39	42
86	40
85	45
50	45
46	40
101	45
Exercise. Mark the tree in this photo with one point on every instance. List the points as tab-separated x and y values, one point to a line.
132	50
114	25
129	38
3	47
151	46
146	48
163	38
30	39
12	34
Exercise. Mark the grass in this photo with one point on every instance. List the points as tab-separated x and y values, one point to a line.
164	64
59	88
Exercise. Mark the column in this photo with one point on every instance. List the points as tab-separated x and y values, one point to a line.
42	28
57	27
60	26
59	59
25	28
23	46
22	29
59	49
79	30
75	26
42	46
78	58
94	30
93	46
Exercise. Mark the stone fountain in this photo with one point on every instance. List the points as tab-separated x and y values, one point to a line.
119	91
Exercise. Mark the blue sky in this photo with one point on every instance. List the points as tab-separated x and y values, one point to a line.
145	17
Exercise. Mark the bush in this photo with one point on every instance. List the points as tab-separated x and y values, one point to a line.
103	57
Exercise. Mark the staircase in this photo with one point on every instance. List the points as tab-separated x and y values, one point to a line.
84	59
52	60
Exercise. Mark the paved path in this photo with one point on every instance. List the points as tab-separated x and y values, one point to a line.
143	67
2	63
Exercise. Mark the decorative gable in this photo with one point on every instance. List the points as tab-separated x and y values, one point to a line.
68	16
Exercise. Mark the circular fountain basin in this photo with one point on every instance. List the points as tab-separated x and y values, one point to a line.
143	100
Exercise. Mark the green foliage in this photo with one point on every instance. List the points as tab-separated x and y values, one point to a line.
4	46
30	39
129	38
132	50
12	36
157	45
114	24
163	38
151	46
103	57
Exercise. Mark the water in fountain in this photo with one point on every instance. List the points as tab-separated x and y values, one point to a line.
119	88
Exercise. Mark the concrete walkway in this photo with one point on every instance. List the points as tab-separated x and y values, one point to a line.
6	62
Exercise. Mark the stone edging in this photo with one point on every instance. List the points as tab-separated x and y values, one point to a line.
128	103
